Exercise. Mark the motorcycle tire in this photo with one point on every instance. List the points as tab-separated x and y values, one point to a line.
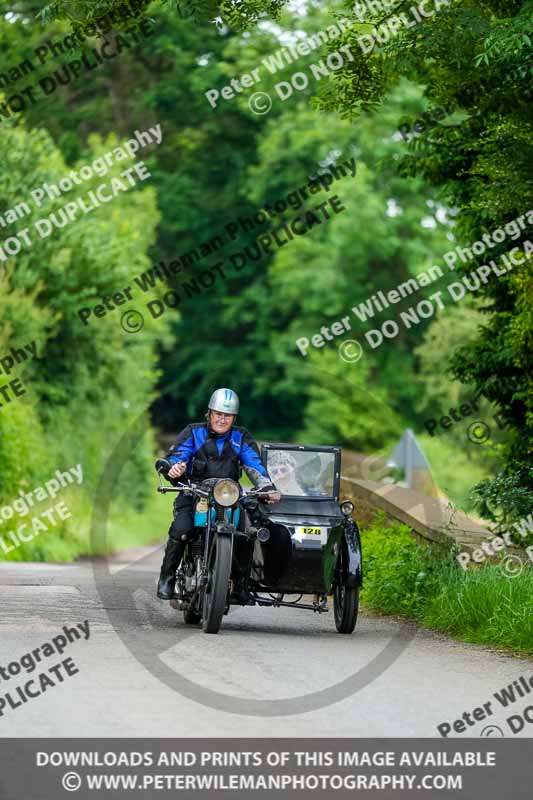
345	600
216	593
346	608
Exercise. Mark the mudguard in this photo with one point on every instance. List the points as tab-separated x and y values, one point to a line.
354	570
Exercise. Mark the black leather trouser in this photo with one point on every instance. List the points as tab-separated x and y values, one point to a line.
183	521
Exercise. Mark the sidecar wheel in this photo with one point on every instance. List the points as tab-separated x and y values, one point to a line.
345	607
216	593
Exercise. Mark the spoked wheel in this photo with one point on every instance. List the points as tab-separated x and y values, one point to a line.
345	606
345	600
216	591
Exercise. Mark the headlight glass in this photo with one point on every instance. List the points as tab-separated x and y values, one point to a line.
347	508
226	492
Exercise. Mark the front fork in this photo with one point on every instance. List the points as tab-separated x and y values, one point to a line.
220	528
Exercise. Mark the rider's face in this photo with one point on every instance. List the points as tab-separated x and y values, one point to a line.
221	423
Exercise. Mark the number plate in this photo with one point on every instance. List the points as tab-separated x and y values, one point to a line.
311	534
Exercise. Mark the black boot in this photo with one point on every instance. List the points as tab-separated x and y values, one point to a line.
239	593
171	560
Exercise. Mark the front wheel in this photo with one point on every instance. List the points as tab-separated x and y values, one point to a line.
345	607
216	591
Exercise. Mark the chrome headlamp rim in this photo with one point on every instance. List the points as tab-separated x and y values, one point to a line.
226	492
347	508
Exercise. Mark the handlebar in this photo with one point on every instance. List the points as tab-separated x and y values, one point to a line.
193	487
181	488
162	466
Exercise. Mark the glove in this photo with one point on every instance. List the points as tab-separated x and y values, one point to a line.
273	497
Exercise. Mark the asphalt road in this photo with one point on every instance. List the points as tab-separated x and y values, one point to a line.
241	682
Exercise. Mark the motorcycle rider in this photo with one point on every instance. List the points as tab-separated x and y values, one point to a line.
212	449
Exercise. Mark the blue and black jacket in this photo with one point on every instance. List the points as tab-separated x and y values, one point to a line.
210	455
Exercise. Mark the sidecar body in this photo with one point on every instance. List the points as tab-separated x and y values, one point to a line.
313	545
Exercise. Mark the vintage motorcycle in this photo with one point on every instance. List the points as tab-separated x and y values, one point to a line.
307	544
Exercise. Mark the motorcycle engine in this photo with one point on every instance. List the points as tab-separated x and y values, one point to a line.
194	568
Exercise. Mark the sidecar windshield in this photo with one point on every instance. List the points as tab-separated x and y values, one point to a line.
303	471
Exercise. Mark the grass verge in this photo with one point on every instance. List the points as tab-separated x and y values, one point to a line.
482	606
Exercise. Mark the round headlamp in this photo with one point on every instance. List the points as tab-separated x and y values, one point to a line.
347	508
226	492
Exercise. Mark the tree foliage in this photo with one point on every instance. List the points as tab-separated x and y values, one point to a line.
474	58
453	181
88	382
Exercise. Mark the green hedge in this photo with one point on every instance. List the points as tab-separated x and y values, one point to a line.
88	384
482	606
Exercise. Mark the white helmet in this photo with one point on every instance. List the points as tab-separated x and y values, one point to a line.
225	401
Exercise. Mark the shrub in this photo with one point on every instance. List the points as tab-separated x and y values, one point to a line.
482	606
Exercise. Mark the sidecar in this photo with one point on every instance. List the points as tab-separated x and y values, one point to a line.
314	547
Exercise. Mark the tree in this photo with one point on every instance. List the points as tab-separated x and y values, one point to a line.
475	58
87	382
